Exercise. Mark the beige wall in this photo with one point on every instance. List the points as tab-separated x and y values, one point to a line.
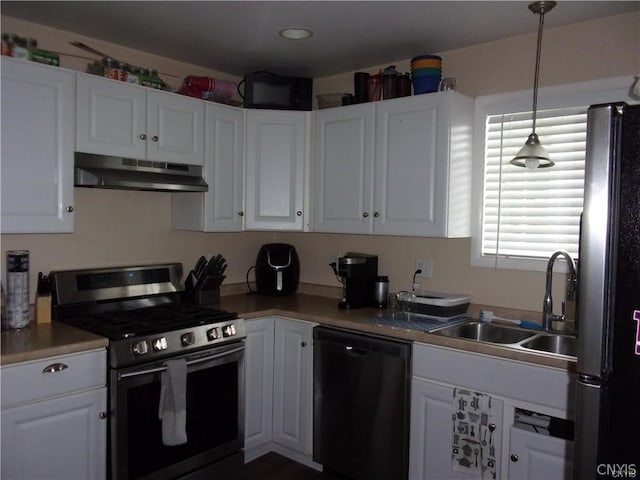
120	227
603	48
74	58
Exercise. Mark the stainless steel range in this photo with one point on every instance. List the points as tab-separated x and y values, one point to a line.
161	348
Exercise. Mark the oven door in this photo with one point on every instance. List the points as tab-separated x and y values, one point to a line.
215	418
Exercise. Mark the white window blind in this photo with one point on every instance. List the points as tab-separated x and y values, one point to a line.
531	213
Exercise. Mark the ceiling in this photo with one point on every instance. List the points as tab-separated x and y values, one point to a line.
242	36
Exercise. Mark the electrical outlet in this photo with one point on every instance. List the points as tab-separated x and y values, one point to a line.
426	266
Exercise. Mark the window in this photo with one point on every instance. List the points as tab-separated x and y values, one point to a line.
532	213
524	215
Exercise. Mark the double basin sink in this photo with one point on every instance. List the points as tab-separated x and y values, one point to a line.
520	338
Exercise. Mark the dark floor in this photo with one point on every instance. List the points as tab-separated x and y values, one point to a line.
276	467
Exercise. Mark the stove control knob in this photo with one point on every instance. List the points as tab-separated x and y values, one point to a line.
214	334
140	348
159	344
229	330
187	339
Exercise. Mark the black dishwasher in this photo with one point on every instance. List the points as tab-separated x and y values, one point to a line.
361	393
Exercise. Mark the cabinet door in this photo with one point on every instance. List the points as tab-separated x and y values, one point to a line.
292	394
343	169
62	438
275	143
411	166
539	457
258	364
221	208
431	430
111	117
175	128
37	148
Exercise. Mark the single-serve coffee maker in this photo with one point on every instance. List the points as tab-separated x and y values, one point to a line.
358	273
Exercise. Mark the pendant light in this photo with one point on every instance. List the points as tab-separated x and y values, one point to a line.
533	154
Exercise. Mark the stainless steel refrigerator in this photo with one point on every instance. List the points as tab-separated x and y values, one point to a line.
607	435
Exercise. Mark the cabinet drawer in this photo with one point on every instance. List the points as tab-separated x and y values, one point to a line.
53	376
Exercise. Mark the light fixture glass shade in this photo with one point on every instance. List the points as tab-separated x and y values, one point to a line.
532	155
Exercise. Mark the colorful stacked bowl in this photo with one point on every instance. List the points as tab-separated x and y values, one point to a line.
426	72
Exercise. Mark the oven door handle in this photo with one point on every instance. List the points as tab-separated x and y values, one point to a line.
191	362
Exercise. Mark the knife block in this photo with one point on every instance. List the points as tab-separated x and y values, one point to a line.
206	297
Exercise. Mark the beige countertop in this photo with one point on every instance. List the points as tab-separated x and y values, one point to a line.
325	311
39	341
47	340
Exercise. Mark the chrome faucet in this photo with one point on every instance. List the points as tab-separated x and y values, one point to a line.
547	308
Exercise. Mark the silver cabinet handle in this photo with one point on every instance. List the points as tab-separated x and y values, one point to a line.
365	214
299	213
55	367
376	214
143	136
70	209
154	138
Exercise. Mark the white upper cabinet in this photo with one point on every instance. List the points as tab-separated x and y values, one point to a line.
118	119
343	169
221	208
37	148
421	164
275	169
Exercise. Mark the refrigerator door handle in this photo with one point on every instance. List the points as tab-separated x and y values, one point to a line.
597	249
590	396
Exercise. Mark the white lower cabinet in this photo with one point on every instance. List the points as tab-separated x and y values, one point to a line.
520	452
278	388
54	418
533	456
432	430
293	385
258	361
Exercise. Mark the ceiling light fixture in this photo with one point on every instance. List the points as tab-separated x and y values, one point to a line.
296	33
533	154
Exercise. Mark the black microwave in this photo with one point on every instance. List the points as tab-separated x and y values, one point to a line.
267	90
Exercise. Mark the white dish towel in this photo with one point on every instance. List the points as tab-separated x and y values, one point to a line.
473	449
172	409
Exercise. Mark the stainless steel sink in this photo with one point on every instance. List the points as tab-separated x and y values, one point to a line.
486	332
550	343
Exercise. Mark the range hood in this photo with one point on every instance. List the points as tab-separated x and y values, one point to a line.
102	171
